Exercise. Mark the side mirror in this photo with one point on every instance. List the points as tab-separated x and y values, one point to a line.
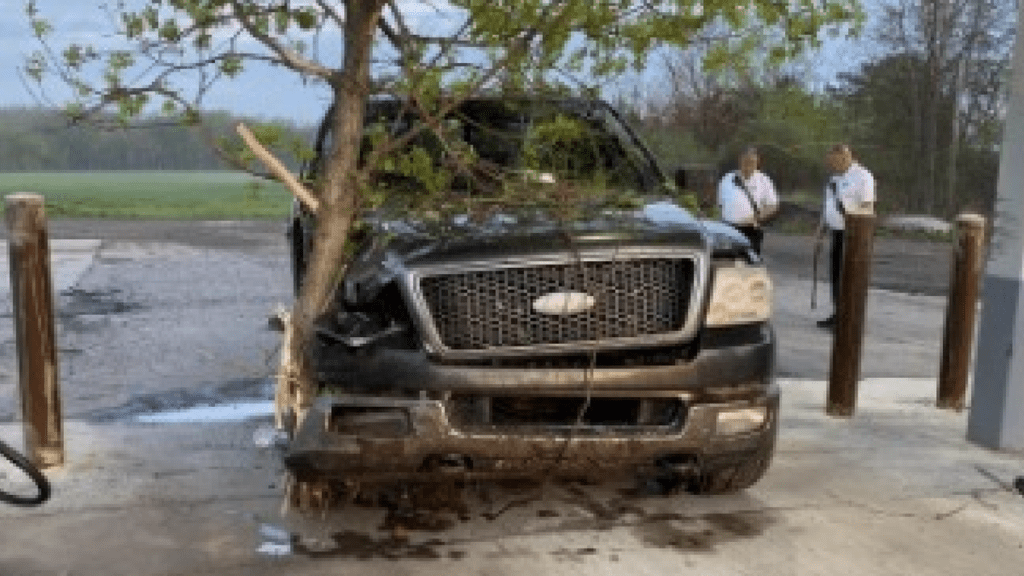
680	178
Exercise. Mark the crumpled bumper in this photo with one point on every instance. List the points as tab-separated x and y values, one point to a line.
397	419
410	439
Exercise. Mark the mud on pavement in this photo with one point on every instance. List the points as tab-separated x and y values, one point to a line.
429	534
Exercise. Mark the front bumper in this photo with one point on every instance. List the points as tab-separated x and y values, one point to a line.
415	439
405	428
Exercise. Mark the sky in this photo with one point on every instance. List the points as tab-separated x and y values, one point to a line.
261	91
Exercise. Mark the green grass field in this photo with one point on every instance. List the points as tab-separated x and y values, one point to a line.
157	194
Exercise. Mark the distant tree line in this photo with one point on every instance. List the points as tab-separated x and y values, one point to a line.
925	115
41	139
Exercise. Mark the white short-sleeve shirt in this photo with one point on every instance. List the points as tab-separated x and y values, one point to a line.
852	188
734	203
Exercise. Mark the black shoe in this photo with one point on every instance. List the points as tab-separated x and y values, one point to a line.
828	323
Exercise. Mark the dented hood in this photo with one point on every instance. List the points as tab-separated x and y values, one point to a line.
397	246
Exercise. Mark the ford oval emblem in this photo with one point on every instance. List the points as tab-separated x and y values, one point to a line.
563	303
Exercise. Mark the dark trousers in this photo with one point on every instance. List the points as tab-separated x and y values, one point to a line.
836	263
754	234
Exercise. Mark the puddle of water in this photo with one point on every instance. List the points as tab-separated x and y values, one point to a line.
234	412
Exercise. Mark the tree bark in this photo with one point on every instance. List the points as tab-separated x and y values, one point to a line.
931	120
954	140
340	190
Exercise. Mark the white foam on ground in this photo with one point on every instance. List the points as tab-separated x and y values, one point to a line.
274	549
235	412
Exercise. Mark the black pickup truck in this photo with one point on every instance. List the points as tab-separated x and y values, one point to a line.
628	339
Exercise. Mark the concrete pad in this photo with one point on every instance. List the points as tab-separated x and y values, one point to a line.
895	490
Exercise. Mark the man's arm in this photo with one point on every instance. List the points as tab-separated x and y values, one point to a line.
720	197
829	195
727	192
769	208
867	191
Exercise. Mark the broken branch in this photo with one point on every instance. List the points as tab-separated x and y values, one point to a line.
278	169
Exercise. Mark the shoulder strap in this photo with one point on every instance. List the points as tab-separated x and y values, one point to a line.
750	197
835	197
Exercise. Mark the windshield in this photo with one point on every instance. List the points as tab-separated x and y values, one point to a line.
547	140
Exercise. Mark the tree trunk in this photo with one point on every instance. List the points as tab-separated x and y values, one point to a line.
914	194
931	120
931	123
339	197
954	140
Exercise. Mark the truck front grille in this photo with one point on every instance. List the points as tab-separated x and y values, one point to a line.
487	309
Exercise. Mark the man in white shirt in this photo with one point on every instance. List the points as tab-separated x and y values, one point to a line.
747	198
850	189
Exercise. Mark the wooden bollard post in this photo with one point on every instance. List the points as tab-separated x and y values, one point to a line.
32	299
853	295
961	310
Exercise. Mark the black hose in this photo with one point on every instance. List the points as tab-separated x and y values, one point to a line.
42	484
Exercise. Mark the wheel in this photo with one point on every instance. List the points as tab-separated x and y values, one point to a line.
736	476
42	484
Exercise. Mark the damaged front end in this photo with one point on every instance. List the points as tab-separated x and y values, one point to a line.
501	352
629	336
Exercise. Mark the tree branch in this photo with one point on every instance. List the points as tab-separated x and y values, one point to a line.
519	45
331	13
289	57
391	35
278	169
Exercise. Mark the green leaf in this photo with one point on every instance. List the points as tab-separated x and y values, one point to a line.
282	18
203	40
41	28
169	31
306	18
231	66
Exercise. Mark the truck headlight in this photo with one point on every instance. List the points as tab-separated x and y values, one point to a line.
740	295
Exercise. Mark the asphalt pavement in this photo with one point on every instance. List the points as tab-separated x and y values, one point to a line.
161	317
